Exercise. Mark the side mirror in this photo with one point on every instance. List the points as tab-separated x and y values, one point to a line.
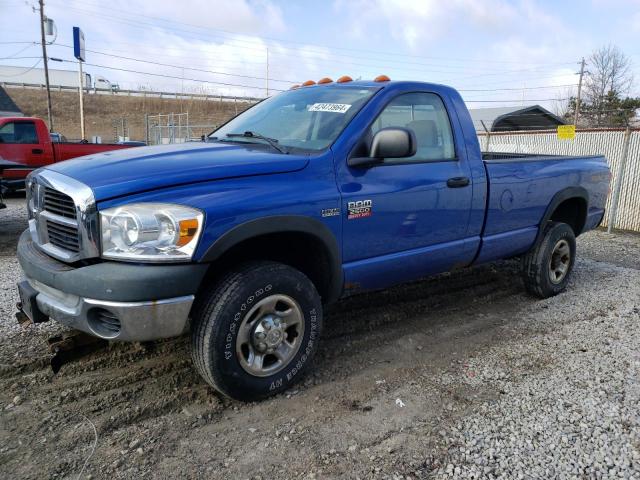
392	142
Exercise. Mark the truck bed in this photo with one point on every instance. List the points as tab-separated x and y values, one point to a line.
521	188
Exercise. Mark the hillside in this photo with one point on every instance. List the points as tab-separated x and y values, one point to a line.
104	112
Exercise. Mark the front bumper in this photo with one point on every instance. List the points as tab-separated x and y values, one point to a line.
112	300
127	321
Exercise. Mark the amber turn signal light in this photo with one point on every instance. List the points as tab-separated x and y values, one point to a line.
188	230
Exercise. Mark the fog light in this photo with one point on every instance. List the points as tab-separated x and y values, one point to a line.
103	323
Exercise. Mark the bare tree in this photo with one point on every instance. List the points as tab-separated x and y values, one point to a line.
608	73
562	104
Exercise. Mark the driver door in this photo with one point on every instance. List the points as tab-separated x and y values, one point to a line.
405	218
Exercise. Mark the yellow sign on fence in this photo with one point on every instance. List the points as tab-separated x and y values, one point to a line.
566	132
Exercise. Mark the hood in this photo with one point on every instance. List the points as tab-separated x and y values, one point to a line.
132	170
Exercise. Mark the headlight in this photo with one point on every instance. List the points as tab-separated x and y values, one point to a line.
155	232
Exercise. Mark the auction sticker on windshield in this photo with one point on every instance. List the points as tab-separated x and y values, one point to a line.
329	107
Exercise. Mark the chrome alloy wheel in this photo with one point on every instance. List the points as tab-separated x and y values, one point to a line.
270	335
560	261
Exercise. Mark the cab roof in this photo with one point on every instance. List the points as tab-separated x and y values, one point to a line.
391	84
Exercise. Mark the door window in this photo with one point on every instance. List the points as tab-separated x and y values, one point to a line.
425	114
18	132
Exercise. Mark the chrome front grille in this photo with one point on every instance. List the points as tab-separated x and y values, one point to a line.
58	203
62	216
63	236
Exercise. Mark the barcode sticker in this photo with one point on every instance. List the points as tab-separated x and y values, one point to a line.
329	107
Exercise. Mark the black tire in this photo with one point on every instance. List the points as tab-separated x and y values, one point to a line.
221	312
540	279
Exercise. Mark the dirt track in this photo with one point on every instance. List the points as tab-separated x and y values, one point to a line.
397	375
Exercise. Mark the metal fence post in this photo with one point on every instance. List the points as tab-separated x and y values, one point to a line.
146	128
487	136
619	177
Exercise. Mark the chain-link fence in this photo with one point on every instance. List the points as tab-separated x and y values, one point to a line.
174	128
167	128
620	146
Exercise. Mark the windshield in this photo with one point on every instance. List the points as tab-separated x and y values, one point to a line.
307	118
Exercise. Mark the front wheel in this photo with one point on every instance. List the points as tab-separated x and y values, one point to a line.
257	330
547	266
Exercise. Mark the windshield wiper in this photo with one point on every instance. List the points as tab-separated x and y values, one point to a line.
249	134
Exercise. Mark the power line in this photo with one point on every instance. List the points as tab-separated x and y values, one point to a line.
183	67
27	69
280	80
368	66
290	80
174	77
14	55
514	88
137	15
262	78
19	58
153	51
138	24
201	36
274	79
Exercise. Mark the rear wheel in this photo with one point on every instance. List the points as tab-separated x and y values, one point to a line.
546	267
257	330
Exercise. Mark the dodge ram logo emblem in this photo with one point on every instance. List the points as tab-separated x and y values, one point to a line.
359	209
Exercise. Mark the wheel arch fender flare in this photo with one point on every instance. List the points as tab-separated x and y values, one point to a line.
283	224
564	194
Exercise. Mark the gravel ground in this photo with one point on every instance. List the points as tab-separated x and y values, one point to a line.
460	376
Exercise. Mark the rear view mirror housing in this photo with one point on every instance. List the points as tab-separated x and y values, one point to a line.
393	142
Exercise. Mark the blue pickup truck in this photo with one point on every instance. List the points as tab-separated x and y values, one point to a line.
315	193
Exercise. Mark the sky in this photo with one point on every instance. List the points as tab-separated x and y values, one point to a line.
496	52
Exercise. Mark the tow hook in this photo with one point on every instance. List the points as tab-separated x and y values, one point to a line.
22	317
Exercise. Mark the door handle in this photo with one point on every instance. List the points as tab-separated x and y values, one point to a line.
457	182
37	151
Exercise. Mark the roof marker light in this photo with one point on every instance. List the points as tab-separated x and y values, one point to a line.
382	78
308	83
344	78
324	80
294	87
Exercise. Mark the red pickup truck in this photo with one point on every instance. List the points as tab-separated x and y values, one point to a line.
25	141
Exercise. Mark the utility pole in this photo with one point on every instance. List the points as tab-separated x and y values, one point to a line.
46	66
575	120
267	77
81	90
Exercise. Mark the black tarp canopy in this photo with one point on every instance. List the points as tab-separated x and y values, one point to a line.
509	119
